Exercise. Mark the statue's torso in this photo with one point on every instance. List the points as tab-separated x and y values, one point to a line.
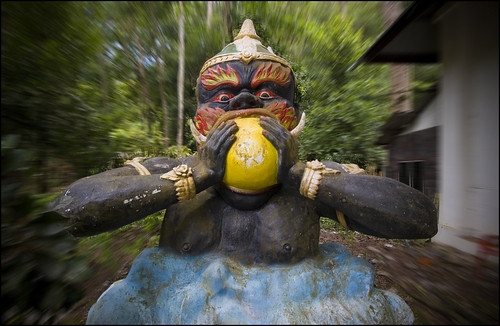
282	230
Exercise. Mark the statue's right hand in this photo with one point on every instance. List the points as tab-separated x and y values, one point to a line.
214	151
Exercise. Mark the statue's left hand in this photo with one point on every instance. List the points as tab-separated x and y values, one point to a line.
284	142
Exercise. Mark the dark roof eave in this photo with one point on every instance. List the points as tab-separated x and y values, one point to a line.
406	58
413	12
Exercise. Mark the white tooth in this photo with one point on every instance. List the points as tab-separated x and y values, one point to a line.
298	129
198	137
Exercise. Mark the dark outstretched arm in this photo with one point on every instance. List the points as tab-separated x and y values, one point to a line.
109	200
373	205
104	202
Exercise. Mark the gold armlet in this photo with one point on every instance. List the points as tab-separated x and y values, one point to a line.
136	163
183	181
312	177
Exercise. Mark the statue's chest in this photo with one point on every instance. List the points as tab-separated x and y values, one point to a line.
282	230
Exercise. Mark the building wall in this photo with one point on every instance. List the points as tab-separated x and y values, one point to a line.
416	146
468	141
428	118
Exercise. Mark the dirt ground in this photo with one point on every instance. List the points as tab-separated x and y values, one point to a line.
443	286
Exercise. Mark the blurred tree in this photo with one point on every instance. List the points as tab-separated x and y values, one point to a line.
210	10
131	28
41	65
180	78
159	43
41	270
344	109
114	78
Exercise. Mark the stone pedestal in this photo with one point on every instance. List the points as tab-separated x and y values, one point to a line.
167	288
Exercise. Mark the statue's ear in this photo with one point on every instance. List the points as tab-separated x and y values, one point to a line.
198	137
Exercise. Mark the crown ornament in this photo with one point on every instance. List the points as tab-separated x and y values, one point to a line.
246	47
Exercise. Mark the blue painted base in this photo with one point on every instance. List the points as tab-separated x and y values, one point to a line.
331	288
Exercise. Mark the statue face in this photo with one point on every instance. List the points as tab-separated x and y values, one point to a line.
234	88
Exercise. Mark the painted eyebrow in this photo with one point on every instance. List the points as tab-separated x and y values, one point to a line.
273	72
215	77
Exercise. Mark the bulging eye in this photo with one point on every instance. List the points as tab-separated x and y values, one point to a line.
224	97
265	94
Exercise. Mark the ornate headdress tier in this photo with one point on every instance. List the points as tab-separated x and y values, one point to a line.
246	47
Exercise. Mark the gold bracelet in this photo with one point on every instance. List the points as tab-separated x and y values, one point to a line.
312	177
136	163
184	182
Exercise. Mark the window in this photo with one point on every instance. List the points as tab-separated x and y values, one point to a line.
411	173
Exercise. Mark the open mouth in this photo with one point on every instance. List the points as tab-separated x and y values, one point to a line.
231	115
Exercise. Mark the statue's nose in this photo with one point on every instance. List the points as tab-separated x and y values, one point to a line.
245	100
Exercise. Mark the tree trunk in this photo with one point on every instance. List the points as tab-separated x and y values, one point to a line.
104	82
400	73
343	9
41	156
159	57
228	27
144	86
210	8
180	79
161	73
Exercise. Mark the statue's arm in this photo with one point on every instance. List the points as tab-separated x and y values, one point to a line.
109	200
373	205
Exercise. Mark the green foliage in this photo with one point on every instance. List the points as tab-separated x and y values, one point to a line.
105	254
345	127
344	110
78	96
177	152
41	270
133	137
331	225
44	53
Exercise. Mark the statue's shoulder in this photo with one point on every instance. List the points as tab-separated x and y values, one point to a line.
350	168
333	165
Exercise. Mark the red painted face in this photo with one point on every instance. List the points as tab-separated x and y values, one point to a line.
236	86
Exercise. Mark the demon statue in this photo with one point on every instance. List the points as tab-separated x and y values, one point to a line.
240	238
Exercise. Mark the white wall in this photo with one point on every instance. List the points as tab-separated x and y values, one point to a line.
469	139
428	118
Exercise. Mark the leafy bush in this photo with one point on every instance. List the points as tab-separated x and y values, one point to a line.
41	271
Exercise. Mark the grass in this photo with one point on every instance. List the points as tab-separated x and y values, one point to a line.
332	225
140	235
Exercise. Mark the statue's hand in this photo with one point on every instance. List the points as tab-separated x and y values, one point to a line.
284	142
213	153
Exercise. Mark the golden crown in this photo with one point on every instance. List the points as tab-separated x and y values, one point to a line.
246	47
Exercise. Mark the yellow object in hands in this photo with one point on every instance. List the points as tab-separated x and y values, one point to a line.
252	161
